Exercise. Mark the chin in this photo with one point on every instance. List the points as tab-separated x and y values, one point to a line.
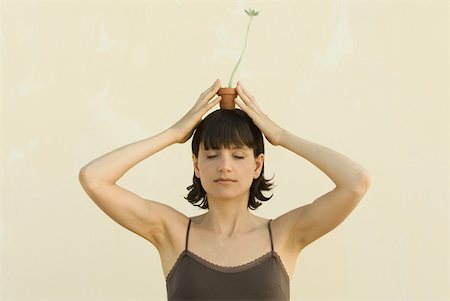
228	196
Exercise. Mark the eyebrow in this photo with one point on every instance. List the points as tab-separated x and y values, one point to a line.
232	148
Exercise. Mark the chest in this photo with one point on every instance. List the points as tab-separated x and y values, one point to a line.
230	252
194	278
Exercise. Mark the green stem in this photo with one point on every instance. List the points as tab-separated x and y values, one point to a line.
240	58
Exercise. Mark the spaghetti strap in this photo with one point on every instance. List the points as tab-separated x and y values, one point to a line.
187	235
270	233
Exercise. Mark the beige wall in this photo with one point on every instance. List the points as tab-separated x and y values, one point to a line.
367	78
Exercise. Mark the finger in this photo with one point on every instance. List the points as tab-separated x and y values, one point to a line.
241	104
214	88
248	110
211	104
245	92
243	95
241	91
207	94
210	92
248	99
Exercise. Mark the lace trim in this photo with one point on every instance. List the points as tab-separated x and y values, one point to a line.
175	265
228	269
282	267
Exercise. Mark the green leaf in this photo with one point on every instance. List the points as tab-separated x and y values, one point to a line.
251	12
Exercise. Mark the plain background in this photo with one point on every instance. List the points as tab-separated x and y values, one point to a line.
369	79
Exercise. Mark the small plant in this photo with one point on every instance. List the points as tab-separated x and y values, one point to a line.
251	13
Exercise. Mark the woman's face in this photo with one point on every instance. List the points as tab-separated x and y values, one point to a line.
227	173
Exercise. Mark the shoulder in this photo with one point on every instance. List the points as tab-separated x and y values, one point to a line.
197	218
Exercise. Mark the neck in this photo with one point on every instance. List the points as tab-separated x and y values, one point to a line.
228	217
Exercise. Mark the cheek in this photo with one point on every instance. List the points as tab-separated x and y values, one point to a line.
205	169
248	172
248	182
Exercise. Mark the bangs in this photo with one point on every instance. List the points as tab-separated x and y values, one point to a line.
227	129
227	134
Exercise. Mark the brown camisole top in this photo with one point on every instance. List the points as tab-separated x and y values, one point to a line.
194	278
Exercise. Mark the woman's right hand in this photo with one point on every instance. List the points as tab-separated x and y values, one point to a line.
184	128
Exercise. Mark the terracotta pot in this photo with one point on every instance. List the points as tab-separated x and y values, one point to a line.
228	96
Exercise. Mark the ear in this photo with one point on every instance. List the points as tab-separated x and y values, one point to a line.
259	163
195	162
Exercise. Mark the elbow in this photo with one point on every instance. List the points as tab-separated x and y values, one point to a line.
83	176
362	183
356	183
86	179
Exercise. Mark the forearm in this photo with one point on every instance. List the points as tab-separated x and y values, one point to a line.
113	165
341	170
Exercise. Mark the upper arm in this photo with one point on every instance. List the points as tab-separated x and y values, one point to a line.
146	218
306	224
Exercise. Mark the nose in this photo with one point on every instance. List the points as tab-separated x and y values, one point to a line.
225	163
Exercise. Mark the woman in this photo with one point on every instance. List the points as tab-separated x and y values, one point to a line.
227	253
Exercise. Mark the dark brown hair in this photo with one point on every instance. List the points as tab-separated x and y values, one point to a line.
229	128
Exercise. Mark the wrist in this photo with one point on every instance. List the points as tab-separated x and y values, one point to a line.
283	137
173	135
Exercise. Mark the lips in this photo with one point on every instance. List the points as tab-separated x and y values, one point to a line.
224	180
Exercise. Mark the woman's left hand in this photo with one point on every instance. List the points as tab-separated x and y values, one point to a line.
248	104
